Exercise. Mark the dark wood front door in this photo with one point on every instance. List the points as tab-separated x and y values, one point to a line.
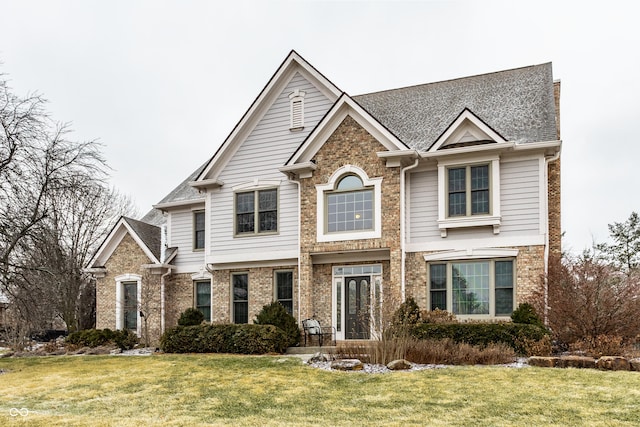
358	301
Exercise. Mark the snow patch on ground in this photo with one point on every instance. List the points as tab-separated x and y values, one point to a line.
369	368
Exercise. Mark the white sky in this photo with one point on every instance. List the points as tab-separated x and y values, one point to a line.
162	83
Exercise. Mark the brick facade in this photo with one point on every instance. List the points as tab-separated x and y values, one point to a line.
350	144
128	258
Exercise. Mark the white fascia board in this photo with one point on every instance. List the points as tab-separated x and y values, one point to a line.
113	240
303	170
472	150
292	64
179	204
344	107
250	257
206	183
472	253
548	147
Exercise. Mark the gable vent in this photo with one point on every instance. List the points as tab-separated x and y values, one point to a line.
297	110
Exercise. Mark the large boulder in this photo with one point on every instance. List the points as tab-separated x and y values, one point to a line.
347	365
543	361
635	364
576	362
613	363
399	365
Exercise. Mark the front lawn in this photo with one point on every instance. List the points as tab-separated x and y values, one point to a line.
184	390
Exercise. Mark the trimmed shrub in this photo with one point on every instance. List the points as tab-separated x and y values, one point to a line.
191	317
482	334
124	338
239	339
275	314
407	314
526	314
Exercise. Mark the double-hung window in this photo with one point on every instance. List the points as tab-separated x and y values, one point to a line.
467	288
284	289
198	230
468	190
256	211
203	298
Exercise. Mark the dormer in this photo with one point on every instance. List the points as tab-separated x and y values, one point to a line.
466	130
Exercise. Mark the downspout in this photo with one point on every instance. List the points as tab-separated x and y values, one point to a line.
162	303
402	226
548	161
163	255
299	247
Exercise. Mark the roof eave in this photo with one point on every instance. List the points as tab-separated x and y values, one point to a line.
178	204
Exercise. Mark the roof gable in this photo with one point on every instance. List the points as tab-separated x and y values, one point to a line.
293	64
147	237
343	107
466	129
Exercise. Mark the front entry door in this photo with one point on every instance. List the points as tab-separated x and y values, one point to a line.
358	301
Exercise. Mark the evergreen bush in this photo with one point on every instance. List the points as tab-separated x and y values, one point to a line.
191	317
526	314
239	339
483	334
124	338
275	314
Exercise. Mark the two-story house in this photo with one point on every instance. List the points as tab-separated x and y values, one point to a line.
341	207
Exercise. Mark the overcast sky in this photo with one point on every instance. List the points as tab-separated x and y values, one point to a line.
162	83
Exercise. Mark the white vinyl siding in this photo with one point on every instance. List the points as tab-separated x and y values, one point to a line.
181	226
519	205
266	149
423	202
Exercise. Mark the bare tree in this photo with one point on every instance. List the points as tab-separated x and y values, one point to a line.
40	167
589	298
79	220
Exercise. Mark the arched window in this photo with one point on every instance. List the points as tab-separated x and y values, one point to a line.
350	206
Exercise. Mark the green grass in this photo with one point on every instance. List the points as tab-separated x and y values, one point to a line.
184	390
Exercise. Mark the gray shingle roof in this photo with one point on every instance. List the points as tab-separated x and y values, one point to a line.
519	104
184	191
149	234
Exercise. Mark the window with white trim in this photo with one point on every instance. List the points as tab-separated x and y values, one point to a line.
468	189
198	230
475	288
349	206
256	211
469	194
128	294
130	305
